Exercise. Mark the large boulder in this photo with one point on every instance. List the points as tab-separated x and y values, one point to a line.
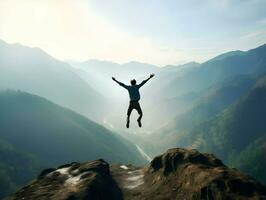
188	174
75	181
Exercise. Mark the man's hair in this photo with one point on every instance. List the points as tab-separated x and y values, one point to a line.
133	82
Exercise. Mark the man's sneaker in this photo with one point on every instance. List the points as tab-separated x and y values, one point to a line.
139	122
127	124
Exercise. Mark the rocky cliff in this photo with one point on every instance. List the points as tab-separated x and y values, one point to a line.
176	174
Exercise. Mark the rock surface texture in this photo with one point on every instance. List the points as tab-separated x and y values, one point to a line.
75	181
177	174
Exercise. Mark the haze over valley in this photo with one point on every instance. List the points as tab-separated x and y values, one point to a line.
182	106
63	132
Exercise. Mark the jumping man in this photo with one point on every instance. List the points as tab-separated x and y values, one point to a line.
134	96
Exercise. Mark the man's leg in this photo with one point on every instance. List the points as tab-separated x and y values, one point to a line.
138	108
129	110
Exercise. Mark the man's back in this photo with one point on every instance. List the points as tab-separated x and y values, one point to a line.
133	91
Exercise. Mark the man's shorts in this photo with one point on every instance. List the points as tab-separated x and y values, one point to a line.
134	105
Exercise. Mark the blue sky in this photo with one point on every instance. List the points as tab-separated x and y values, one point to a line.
184	19
211	26
155	31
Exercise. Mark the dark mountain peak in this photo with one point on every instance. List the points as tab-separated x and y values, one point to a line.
173	158
226	55
74	169
191	175
90	180
259	47
257	50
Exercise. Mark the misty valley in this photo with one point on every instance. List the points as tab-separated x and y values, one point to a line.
54	112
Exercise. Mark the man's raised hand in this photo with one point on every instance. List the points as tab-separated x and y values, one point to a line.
152	75
113	78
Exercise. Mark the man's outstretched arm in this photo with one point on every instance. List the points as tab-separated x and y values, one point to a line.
120	83
145	81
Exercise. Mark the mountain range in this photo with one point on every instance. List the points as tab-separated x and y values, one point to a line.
55	112
227	119
36	133
219	68
34	71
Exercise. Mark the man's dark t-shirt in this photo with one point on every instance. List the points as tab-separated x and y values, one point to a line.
133	90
